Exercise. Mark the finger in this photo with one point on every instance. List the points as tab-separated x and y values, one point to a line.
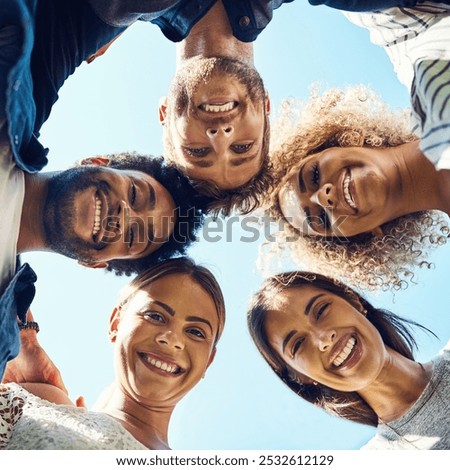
80	402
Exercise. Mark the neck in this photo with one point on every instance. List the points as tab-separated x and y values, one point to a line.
398	386
212	36
32	233
148	424
422	186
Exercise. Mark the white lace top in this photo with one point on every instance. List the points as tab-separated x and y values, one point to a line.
28	422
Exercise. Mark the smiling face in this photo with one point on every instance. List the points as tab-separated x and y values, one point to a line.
342	191
164	339
324	338
96	214
215	117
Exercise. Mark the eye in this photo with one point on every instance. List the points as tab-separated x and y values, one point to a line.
154	316
197	332
296	346
315	174
197	152
241	148
130	236
321	310
133	195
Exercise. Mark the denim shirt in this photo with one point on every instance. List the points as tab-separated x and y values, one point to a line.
14	303
370	5
247	17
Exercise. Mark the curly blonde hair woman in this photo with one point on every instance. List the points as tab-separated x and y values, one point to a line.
364	214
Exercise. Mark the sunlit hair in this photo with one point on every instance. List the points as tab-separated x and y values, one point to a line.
394	330
352	118
183	265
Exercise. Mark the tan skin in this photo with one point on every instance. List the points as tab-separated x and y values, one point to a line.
384	184
310	330
221	147
177	329
148	216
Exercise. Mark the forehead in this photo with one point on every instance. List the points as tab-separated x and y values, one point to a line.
292	302
184	296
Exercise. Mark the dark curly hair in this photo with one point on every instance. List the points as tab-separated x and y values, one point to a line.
190	210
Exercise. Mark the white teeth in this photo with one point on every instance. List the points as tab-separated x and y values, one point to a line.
172	369
218	108
345	352
98	211
347	195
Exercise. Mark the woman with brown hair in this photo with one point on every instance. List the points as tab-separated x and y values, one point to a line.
164	331
334	349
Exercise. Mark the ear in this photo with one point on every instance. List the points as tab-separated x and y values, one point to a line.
99	161
162	110
267	103
95	265
377	232
114	321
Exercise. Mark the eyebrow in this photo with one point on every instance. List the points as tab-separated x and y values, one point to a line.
152	196
201	164
200	319
168	309
311	302
301	182
150	237
241	161
287	338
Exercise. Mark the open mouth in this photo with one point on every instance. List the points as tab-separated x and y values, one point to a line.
346	191
167	367
97	218
218	107
346	352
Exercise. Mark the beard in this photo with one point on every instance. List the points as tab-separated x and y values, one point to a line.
197	71
59	211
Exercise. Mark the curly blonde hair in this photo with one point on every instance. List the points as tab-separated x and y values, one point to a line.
354	117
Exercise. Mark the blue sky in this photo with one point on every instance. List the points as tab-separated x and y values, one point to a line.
111	105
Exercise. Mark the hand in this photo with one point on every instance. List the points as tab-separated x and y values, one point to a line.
32	364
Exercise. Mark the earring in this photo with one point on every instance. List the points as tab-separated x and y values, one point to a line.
315	383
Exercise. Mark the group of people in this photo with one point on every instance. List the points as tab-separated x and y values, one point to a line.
362	189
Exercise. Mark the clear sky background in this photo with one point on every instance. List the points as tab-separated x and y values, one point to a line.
111	105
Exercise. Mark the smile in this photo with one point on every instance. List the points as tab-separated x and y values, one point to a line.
346	190
218	107
170	368
345	353
97	217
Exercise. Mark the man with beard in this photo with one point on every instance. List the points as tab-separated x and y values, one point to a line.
215	117
121	212
42	42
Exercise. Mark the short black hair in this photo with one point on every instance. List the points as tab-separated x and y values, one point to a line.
190	210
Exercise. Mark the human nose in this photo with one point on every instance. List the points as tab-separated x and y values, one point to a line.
170	339
325	196
325	339
216	131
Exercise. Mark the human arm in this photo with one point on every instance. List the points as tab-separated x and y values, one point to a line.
32	365
430	99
